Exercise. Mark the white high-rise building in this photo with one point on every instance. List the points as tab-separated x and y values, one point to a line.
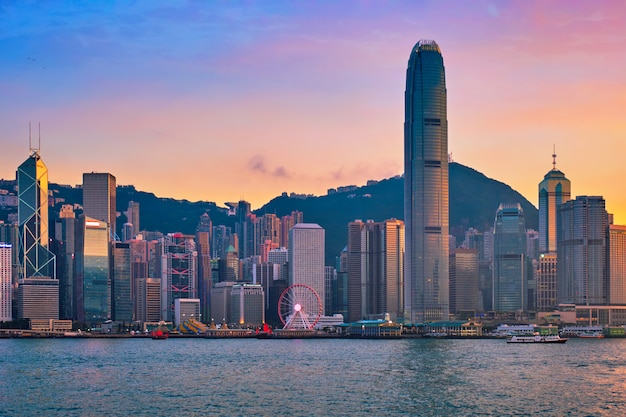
306	257
5	282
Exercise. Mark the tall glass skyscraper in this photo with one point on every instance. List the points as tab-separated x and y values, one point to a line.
582	230
426	186
510	273
99	198
554	190
32	181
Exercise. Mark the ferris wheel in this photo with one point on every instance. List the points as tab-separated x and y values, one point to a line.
299	307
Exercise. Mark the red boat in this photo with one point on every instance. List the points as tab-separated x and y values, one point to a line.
159	334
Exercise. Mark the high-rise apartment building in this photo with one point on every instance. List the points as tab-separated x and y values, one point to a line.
510	265
306	257
546	280
426	186
99	198
582	275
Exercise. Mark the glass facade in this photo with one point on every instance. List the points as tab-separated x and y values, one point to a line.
582	273
122	305
509	260
32	181
426	186
554	190
99	198
94	288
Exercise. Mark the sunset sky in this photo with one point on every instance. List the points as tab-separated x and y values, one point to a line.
227	100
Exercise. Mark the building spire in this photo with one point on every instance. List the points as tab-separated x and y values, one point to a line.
554	157
34	151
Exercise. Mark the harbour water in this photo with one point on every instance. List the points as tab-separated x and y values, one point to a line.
316	377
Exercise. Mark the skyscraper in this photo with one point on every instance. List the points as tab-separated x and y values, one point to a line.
554	190
179	277
32	181
306	257
510	272
99	198
582	276
426	186
6	307
617	262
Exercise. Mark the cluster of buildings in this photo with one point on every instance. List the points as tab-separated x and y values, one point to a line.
77	267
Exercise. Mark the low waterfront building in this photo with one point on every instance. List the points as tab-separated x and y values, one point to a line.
454	328
372	328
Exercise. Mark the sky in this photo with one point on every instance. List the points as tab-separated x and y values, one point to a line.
228	100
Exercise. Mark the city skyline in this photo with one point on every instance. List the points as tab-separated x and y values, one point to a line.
150	90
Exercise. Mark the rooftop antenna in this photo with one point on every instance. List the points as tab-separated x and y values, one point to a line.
33	151
554	157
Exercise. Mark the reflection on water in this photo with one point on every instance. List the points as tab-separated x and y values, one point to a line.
311	377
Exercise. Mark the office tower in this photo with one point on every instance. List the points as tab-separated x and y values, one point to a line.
148	300
205	283
92	287
247	305
464	282
9	233
330	277
510	262
127	232
426	186
179	277
617	265
229	266
532	244
64	248
244	229
132	217
186	309
340	285
582	276
6	281
355	270
221	239
306	257
38	298
121	283
554	190
278	256
546	282
99	198
32	181
220	302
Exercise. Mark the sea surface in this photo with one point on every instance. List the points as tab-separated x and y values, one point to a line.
314	377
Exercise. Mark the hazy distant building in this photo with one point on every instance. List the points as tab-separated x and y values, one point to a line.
617	262
554	190
99	198
6	287
426	186
306	257
510	272
221	239
132	217
582	252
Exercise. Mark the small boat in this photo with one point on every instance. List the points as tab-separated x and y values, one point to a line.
536	339
591	335
159	334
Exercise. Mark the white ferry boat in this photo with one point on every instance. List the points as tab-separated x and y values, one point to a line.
536	339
